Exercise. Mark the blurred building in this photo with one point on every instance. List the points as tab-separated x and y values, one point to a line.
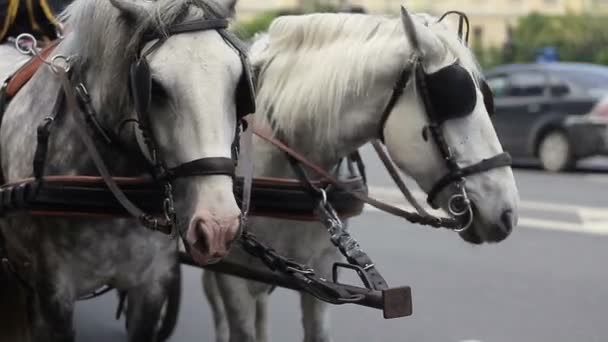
491	20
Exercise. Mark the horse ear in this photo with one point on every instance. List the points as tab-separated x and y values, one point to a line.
229	5
410	28
130	9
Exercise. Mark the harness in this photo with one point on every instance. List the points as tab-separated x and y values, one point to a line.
442	93
147	198
33	195
448	93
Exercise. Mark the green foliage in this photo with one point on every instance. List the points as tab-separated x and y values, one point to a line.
580	38
247	29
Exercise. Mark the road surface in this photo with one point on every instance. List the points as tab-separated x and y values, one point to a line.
547	283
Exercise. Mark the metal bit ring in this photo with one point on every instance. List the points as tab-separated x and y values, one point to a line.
455	210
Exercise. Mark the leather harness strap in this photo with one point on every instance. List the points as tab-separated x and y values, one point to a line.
396	176
211	166
81	129
436	222
25	73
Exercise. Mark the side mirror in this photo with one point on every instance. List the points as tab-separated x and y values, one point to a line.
559	90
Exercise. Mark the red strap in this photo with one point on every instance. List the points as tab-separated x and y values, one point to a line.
27	71
388	208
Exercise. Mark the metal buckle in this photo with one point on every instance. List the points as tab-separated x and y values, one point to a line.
309	271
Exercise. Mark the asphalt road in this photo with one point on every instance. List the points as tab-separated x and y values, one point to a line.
547	282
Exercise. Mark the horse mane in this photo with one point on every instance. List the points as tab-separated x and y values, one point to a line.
308	63
105	42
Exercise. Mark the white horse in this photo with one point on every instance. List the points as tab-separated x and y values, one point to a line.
192	115
324	80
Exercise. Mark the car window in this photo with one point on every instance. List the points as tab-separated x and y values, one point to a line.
525	84
498	84
559	86
586	77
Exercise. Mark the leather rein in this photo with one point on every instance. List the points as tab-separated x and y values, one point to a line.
426	220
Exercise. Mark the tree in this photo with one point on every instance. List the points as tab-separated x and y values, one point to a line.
581	38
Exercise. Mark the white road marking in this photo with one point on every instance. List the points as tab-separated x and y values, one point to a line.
599	229
597	178
592	220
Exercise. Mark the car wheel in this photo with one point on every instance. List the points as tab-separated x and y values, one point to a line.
555	151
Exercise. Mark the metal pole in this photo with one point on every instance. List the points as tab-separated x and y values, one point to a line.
395	302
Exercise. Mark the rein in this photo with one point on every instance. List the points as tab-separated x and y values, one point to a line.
425	220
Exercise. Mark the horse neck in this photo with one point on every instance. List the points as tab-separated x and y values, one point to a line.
359	124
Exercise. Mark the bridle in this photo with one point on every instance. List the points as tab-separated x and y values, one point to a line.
141	89
442	94
140	83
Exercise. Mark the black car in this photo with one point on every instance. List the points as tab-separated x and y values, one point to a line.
548	111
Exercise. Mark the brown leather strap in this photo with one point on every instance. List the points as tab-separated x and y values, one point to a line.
25	73
391	209
81	129
396	176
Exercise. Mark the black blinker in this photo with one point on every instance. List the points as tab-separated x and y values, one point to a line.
452	92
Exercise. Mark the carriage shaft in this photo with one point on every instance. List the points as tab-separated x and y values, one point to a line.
394	302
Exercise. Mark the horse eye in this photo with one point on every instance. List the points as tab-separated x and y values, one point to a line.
158	93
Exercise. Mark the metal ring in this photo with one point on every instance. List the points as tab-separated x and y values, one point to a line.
60	62
469	222
457	197
24	38
324	196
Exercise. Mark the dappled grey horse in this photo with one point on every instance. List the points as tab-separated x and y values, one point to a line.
323	86
193	75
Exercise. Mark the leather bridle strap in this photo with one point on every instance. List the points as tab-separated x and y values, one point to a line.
210	166
398	90
189	26
396	176
500	160
436	222
81	129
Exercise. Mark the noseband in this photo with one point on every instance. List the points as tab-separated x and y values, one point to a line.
448	93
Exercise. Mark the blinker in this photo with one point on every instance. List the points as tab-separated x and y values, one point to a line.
452	92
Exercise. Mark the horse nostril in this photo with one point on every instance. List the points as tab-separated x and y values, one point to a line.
507	221
201	243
